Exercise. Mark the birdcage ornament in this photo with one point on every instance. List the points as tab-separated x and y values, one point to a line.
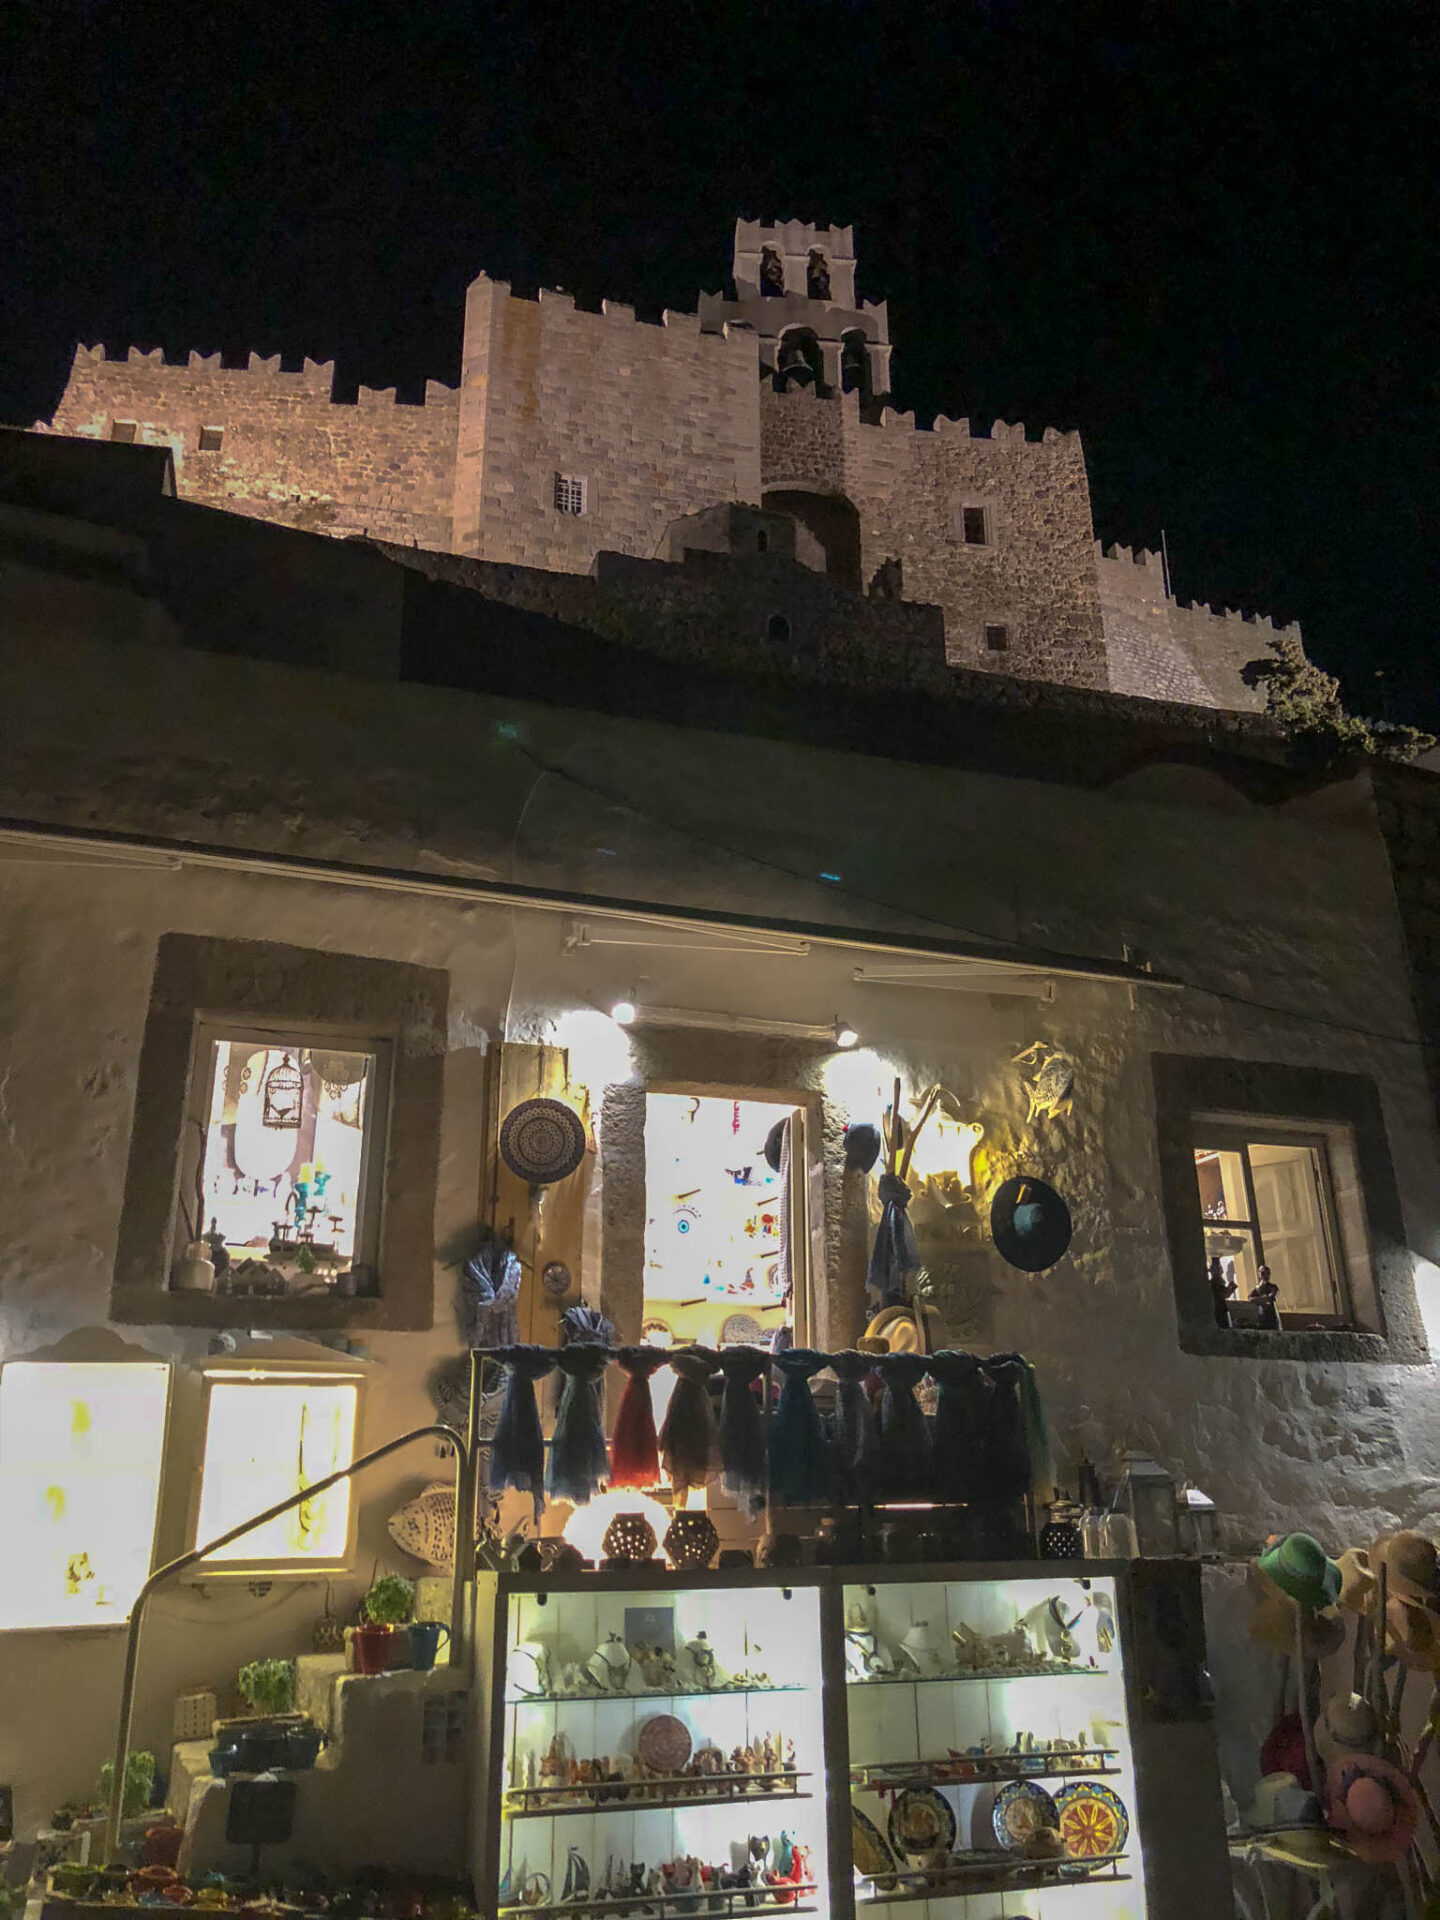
284	1093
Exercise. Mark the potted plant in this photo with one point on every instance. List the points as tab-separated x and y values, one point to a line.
273	1734
139	1783
385	1607
268	1686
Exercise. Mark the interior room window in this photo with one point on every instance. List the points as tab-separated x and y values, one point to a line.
569	493
1267	1201
973	524
81	1446
123	429
997	639
210	438
266	1436
285	1163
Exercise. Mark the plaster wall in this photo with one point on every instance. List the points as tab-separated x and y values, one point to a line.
1285	928
658	422
287	453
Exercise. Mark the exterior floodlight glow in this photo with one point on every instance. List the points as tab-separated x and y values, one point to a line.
845	1034
623	1013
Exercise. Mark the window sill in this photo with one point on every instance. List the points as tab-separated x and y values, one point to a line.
164	1307
1349	1344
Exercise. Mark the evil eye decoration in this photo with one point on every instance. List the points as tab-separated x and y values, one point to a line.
686	1219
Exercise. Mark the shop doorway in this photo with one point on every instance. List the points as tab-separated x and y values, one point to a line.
725	1234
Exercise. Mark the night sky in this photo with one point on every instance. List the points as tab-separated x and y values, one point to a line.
1204	234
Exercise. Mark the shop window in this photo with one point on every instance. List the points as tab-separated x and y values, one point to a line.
287	1155
81	1447
124	430
1286	1168
210	439
267	1435
974	525
1269	1213
570	492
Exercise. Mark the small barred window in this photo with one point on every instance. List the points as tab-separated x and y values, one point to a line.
569	493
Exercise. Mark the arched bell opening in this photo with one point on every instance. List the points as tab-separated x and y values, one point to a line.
798	361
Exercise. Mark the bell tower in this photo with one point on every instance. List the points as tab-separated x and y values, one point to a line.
795	289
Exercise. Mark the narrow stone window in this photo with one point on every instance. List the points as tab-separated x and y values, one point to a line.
972	520
570	490
210	438
997	639
778	630
762	541
123	430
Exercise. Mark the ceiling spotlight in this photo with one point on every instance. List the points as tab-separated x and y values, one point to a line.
623	1013
845	1034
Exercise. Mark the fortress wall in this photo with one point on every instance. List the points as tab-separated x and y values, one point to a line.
659	421
287	451
1160	648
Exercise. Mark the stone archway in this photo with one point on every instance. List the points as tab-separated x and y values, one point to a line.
833	521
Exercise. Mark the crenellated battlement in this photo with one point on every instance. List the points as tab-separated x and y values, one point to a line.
1151	562
313	379
619	312
1002	432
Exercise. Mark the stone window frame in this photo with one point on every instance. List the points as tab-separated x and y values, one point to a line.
988	520
332	996
125	432
1002	627
1344	1109
211	440
567	489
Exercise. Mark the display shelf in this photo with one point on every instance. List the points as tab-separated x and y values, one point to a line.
988	1676
968	1771
661	1906
998	1874
641	1699
633	1796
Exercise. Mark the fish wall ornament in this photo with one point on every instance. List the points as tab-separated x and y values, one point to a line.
1048	1075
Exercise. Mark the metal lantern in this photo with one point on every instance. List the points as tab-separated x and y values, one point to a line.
1198	1522
284	1093
629	1537
1147	1494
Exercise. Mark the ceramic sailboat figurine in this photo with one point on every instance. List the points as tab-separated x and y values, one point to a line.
577	1879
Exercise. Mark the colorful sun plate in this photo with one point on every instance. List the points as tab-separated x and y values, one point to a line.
1093	1820
921	1821
1019	1810
867	1845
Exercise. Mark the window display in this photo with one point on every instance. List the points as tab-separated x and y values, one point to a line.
266	1436
990	1761
665	1745
81	1445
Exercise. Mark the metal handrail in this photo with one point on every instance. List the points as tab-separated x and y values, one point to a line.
463	1487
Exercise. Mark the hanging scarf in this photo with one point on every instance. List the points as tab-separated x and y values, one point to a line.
799	1464
742	1431
490	1288
634	1448
894	1256
687	1438
961	1432
904	1436
1019	1443
578	1457
855	1449
517	1453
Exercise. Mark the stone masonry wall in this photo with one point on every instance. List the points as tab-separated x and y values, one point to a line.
1035	574
287	451
1160	648
658	422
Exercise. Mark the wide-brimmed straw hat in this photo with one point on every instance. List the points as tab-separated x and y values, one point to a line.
1278	1619
1413	1634
1345	1726
1372	1806
1358	1585
1412	1567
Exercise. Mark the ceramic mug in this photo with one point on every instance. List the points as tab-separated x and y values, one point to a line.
425	1643
370	1648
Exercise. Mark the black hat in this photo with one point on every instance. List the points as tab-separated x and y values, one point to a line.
775	1143
862	1146
1030	1224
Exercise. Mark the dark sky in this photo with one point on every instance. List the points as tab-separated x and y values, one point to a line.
1203	233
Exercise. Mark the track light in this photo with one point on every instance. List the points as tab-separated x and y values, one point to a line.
845	1034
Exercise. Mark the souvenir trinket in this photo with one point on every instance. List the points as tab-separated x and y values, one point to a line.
609	1665
918	1651
702	1659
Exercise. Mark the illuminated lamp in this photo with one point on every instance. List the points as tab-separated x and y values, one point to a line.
629	1537
845	1034
691	1540
587	1526
623	1013
943	1144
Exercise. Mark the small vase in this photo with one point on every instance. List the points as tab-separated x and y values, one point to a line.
194	1272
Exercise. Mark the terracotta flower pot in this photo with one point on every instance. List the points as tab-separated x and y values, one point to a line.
370	1648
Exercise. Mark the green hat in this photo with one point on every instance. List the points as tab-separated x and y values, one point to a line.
1300	1566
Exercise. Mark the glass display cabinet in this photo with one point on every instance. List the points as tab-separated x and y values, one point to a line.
661	1742
990	1758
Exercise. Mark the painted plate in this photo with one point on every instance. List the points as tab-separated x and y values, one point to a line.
663	1744
541	1141
921	1821
742	1330
1093	1820
1020	1809
867	1845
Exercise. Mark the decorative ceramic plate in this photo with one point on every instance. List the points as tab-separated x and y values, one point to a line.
542	1141
742	1330
921	1821
867	1845
1019	1810
663	1744
1093	1820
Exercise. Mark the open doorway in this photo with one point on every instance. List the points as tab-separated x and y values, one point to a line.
722	1249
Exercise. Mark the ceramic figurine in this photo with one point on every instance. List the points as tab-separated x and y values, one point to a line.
577	1877
918	1652
969	1646
530	1668
702	1658
609	1665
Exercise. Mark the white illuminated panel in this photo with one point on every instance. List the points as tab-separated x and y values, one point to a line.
264	1440
81	1446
